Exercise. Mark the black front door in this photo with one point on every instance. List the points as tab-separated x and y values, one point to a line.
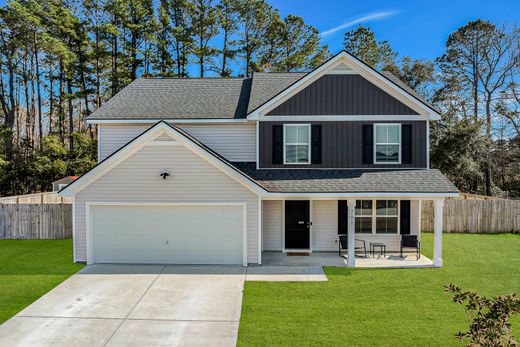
297	225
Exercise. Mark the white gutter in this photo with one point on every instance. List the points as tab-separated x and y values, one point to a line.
154	121
418	196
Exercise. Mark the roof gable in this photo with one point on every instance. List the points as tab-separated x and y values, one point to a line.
157	135
342	94
345	61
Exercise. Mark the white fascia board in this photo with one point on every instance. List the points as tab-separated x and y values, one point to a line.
334	196
147	138
347	118
365	71
173	121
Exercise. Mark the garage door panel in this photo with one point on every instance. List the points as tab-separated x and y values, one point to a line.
177	234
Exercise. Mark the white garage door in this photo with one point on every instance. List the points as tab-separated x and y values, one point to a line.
166	234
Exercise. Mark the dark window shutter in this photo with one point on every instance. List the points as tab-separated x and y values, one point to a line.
405	217
342	216
368	143
316	144
406	143
277	144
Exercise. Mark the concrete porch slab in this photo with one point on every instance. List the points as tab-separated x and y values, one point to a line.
175	333
57	332
393	260
318	259
286	274
313	259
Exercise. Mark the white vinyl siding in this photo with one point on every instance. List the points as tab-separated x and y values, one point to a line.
324	225
113	137
272	225
236	142
193	180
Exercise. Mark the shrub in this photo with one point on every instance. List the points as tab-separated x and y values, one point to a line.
488	317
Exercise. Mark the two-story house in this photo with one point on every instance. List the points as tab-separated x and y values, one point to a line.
220	170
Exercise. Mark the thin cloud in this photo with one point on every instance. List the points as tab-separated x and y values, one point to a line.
370	17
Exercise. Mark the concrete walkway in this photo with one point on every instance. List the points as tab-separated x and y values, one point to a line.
134	305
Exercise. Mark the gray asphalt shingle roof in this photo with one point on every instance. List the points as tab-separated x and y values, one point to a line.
204	98
267	85
168	98
349	180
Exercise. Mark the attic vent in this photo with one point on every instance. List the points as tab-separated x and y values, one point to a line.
164	137
342	69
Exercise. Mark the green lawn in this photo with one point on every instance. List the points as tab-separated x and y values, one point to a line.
382	307
29	269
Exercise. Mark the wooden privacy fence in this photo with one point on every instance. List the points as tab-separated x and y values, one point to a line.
35	221
475	216
37	198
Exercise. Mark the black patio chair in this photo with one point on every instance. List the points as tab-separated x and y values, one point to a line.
358	246
411	242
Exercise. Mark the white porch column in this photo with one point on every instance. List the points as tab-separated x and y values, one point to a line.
437	232
351	261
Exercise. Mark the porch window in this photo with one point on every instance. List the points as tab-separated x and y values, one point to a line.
363	217
297	143
387	216
377	217
387	144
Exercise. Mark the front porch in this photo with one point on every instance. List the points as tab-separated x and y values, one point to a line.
313	227
391	260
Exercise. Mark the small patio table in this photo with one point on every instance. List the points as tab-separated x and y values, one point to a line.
381	246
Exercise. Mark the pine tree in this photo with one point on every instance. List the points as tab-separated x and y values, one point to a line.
203	18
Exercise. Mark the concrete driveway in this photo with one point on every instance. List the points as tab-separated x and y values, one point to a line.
134	305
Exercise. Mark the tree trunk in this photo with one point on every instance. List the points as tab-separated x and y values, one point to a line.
40	120
71	114
10	111
490	140
61	128
51	98
224	55
115	48
27	102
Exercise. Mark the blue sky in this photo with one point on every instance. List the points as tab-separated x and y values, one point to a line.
416	28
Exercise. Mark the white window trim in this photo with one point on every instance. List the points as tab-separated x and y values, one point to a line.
308	144
398	162
374	217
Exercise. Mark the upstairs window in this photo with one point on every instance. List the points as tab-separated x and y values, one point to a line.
297	149
387	147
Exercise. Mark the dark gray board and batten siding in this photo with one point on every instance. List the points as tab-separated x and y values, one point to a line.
341	95
342	145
